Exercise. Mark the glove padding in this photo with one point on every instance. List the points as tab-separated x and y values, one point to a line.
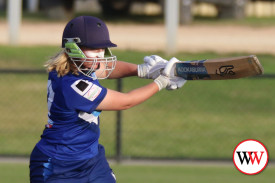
152	67
169	71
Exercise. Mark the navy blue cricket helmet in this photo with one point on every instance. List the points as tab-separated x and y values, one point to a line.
92	32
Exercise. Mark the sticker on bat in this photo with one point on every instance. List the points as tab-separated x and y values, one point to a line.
192	70
225	70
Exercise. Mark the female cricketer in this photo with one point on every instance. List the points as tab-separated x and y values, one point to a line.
68	150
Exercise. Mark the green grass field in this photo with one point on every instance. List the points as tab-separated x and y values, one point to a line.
18	173
203	120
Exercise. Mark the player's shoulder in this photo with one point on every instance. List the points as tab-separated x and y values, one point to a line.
52	75
79	80
64	81
79	84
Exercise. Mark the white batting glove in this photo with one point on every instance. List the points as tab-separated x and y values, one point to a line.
175	83
162	81
152	66
169	71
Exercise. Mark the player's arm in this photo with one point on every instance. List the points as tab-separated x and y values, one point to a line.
120	101
115	101
150	69
123	69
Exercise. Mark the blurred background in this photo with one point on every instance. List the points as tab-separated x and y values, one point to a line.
202	122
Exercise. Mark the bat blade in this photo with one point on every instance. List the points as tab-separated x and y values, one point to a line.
219	69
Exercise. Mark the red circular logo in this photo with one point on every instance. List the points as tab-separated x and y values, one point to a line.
250	157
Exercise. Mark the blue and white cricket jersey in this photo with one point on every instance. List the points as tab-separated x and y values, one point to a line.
72	131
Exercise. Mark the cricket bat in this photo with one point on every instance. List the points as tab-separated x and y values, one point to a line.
219	69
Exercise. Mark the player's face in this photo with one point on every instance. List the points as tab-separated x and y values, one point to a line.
93	53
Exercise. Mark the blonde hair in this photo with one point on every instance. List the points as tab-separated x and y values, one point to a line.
61	63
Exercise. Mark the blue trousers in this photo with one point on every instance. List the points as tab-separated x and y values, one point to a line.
47	170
